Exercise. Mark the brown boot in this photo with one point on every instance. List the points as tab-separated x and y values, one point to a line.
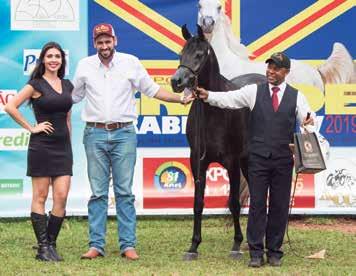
91	254
130	254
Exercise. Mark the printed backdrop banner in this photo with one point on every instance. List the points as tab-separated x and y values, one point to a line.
313	32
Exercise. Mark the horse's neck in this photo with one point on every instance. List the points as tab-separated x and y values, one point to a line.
230	63
232	55
210	77
214	81
224	34
219	42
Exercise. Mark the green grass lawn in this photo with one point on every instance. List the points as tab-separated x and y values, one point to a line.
161	244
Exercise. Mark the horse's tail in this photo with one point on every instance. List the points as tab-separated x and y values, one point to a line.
353	79
339	67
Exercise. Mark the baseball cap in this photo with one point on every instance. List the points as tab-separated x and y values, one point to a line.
103	28
280	59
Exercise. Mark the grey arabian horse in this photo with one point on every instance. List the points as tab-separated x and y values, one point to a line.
214	134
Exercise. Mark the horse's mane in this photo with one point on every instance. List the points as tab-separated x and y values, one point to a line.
233	42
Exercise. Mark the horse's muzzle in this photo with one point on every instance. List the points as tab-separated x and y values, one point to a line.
207	24
176	85
182	79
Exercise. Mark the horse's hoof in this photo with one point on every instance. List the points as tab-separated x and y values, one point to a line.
236	255
190	256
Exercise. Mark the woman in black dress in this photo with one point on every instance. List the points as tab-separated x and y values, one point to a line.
49	158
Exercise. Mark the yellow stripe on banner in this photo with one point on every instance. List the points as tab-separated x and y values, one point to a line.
171	64
136	22
235	17
310	29
159	19
223	3
302	33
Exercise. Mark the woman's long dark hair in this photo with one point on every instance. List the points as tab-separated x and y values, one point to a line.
40	69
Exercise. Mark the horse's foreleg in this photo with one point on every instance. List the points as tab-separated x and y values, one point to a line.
235	208
199	181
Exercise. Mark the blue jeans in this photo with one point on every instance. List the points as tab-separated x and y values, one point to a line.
111	153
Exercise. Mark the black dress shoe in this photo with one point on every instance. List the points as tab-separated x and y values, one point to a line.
256	262
274	261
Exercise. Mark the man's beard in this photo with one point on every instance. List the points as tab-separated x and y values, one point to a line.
103	57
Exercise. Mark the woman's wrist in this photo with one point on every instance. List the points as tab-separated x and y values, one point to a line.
181	98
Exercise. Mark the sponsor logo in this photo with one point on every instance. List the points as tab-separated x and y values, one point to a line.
168	183
338	184
172	176
5	96
30	57
163	125
11	186
340	178
308	147
14	139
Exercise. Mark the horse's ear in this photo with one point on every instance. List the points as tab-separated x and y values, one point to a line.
200	32
185	32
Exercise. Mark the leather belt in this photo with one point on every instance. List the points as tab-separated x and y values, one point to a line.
110	126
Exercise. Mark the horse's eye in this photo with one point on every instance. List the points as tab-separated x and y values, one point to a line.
199	6
219	8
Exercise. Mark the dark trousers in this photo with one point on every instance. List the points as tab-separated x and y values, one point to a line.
275	176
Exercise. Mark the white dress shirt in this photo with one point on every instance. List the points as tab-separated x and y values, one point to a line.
110	91
246	97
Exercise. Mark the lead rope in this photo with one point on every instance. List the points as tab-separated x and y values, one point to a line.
290	212
200	136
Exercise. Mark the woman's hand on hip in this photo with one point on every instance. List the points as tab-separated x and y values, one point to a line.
45	127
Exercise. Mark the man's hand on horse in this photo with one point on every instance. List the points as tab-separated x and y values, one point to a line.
186	99
201	93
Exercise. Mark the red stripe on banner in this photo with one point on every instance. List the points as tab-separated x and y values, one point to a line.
150	22
160	71
305	201
305	197
228	8
297	28
300	201
183	202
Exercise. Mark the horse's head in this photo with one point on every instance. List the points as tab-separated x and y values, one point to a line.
208	14
194	58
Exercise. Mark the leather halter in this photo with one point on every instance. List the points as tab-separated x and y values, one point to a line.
197	72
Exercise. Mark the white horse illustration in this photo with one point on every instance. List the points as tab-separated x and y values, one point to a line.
234	59
44	10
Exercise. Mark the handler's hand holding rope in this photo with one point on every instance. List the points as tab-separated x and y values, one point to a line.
201	93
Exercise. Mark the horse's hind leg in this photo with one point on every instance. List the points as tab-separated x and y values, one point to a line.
192	253
244	192
244	164
235	208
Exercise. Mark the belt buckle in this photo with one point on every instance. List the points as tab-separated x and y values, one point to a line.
108	128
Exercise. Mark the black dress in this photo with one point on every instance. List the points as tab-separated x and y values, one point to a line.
51	154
